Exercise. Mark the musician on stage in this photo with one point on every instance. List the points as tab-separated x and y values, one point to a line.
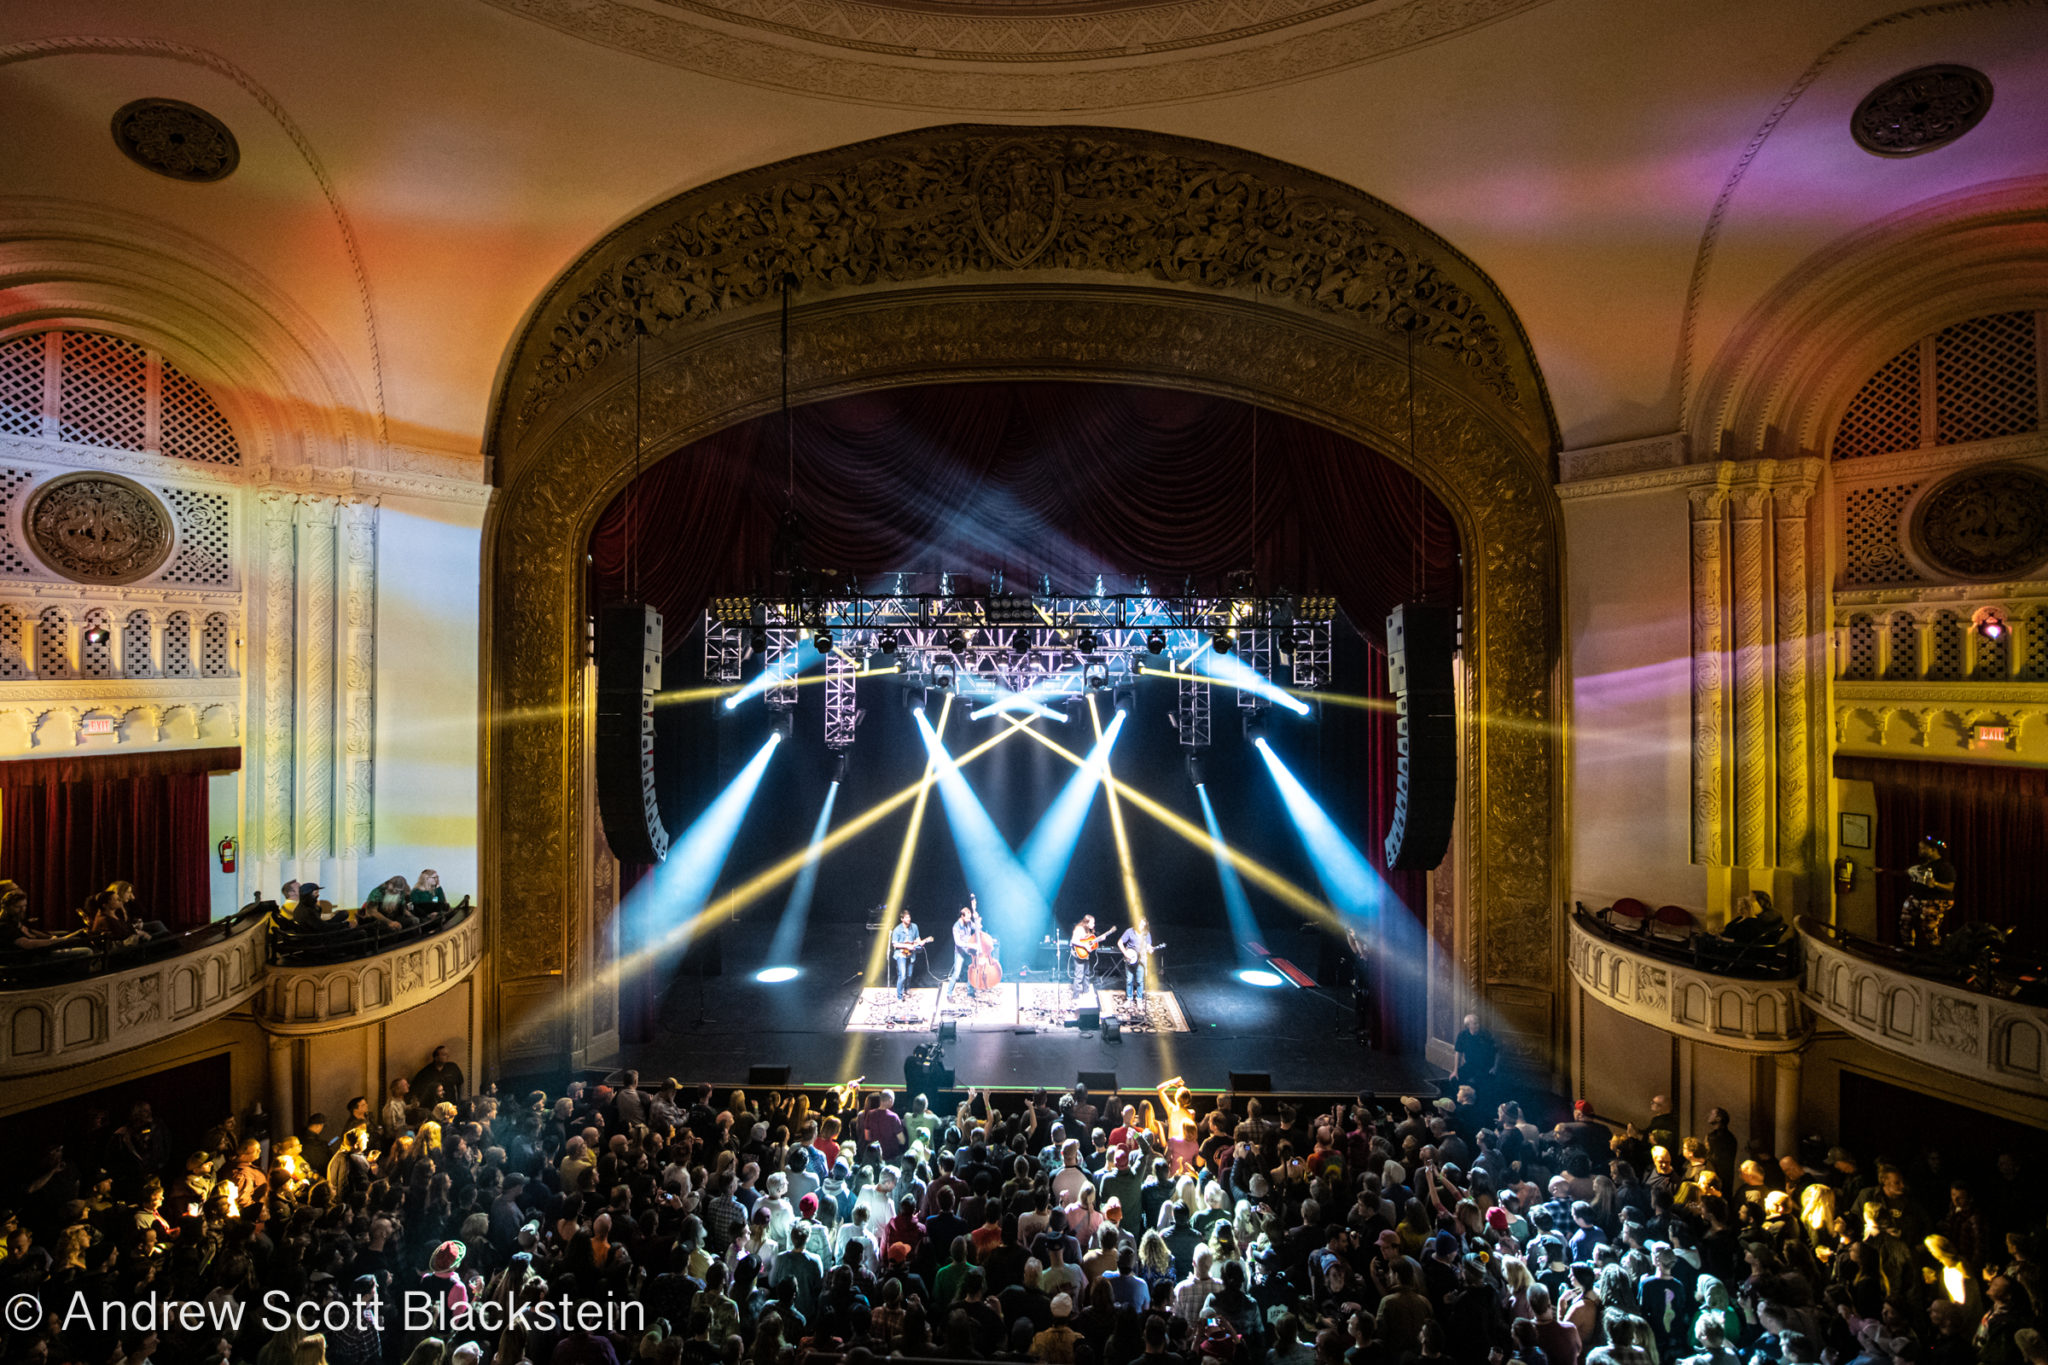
902	950
1136	945
966	933
1083	942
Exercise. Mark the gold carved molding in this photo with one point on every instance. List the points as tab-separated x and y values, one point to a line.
558	469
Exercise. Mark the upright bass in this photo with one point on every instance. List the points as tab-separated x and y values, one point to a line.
986	974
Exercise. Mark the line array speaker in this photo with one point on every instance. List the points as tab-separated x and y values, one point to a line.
628	676
1420	642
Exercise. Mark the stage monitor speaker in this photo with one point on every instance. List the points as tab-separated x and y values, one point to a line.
767	1075
1098	1082
949	1030
1088	1017
1420	642
1112	1030
1251	1082
628	676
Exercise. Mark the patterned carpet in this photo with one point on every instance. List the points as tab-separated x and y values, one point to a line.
1042	1005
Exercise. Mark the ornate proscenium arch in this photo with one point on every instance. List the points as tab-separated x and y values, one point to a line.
973	253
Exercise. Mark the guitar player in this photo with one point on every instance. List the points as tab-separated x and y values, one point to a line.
903	946
1083	942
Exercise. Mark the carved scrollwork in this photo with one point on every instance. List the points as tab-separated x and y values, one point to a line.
1986	524
968	201
98	528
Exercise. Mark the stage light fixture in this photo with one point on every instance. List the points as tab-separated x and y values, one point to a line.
1124	698
1197	774
1258	976
1990	624
775	976
96	635
1096	675
758	641
1255	724
887	642
839	766
823	640
1020	643
1087	641
942	676
783	726
957	642
1156	642
1222	642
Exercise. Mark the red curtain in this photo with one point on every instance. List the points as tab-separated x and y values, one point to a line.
1995	819
71	825
1066	480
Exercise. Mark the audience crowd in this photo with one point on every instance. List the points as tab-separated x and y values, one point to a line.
760	1229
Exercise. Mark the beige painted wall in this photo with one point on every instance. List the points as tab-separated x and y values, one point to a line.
1629	594
237	1035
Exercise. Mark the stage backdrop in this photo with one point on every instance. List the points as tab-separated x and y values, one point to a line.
1067	480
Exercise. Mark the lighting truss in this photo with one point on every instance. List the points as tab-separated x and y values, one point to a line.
1026	643
781	664
1191	715
725	649
1255	647
1311	656
842	710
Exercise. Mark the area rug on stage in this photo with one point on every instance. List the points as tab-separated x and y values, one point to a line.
1010	1006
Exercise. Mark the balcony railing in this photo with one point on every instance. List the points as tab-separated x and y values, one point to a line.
362	978
1712	993
78	1008
1931	1011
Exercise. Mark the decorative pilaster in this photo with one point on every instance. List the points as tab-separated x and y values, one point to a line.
1798	656
316	783
1749	591
358	672
280	560
1709	674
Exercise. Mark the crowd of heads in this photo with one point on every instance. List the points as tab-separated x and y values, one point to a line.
393	906
762	1228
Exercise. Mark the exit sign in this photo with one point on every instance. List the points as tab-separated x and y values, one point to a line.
99	725
1989	734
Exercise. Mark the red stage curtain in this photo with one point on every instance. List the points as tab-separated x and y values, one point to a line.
72	825
1995	819
1066	480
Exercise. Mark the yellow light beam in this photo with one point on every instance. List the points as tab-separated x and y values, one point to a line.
1134	900
1257	873
716	690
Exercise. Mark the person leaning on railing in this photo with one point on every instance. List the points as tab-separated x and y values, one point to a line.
17	935
1756	923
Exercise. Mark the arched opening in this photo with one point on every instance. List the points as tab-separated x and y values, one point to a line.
1252	281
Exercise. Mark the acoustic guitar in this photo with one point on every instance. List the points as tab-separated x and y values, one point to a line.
1084	948
906	949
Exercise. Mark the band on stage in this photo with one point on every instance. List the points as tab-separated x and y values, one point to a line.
977	967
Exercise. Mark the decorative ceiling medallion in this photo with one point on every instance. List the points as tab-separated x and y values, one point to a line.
176	139
98	528
1987	523
1926	108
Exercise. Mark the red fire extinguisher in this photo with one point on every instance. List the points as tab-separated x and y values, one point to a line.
227	853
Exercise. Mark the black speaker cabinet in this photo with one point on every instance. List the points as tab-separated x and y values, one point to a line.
1112	1029
1098	1082
628	676
767	1075
1420	642
1251	1082
1088	1018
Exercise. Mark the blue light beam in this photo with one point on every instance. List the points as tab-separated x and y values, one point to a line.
1009	898
1231	670
1348	880
1049	850
1244	927
796	661
667	908
789	933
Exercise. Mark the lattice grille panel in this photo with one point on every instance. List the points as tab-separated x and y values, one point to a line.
193	428
202	556
13	635
213	648
96	658
1945	648
135	660
178	646
2034	663
21	386
53	644
13	560
1985	380
102	400
1862	660
1994	658
1885	414
1902	647
1874	554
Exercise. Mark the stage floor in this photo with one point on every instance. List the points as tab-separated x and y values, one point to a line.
823	1026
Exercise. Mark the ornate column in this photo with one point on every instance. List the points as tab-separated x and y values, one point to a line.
270	793
1709	674
358	680
1785	1103
316	654
1799	659
1750	593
